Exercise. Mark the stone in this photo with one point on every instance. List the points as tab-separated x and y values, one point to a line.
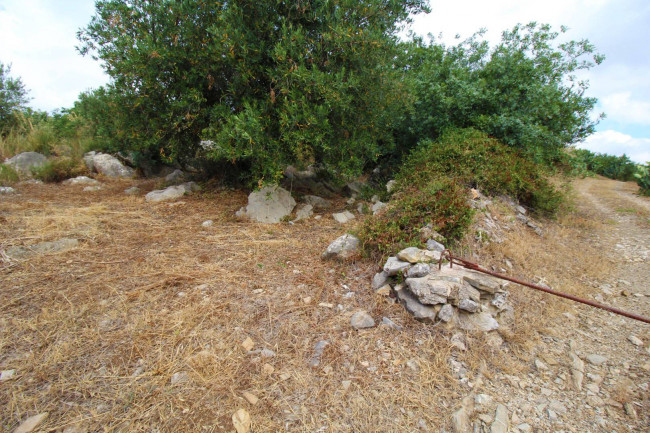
81	180
267	353
379	280
92	188
319	349
595	359
250	397
7	190
362	320
483	321
393	266
6	375
179	378
630	410
305	211
460	422
390	186
346	384
31	423
41	248
374	199
316	202
416	255
343	217
386	321
89	160
169	193
418	271
241	420
433	245
248	344
463	292
469	305
521	210
557	406
344	247
190	187
378	207
134	190
110	166
207	223
458	339
175	176
446	313
482	282
268	369
383	290
499	301
635	340
483	402
501	422
24	162
413	306
269	205
430	290
577	371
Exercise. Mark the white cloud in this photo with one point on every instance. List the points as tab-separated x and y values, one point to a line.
38	39
623	109
617	143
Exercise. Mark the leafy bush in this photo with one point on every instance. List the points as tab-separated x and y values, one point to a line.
642	177
270	83
60	169
613	167
432	188
523	91
441	202
7	175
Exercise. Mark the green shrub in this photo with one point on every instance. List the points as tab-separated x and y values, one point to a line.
643	179
432	188
7	175
441	202
57	170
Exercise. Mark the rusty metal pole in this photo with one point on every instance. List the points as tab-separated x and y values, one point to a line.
475	267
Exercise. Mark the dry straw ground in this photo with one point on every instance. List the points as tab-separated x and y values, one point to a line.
96	333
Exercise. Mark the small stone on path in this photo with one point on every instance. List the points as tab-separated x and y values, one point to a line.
595	359
31	423
362	320
635	340
241	420
207	223
250	397
248	344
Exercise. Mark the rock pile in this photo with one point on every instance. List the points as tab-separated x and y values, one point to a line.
463	298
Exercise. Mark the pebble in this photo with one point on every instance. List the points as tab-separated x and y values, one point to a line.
268	369
362	320
386	321
179	378
207	223
250	397
346	384
596	360
248	344
635	340
6	375
241	420
540	365
31	423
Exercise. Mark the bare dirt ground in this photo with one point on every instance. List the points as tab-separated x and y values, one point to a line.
140	328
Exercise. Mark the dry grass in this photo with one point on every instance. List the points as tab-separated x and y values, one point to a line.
95	334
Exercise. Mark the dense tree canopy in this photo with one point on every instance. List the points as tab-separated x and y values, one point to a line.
268	82
524	91
13	97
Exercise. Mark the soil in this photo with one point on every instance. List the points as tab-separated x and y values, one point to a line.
145	325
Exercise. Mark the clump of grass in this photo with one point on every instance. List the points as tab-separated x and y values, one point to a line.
7	175
433	184
57	170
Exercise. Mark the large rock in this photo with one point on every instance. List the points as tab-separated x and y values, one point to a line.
270	204
413	306
172	192
42	248
393	266
81	180
343	217
316	201
483	322
175	176
110	166
342	248
24	162
431	290
482	282
305	211
416	255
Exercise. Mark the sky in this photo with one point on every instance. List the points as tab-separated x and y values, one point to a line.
38	38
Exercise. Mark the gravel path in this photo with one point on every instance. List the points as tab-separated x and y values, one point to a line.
592	372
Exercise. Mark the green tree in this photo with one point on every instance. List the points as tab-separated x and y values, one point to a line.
524	91
13	97
269	82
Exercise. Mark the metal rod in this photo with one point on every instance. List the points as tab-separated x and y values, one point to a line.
475	267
